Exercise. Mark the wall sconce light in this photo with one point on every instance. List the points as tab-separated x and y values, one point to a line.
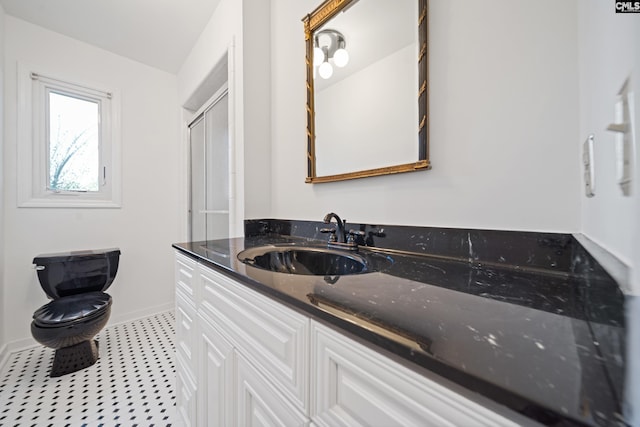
329	45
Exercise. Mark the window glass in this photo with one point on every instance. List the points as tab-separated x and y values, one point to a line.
74	143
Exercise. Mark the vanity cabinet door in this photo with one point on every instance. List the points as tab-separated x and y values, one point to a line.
259	404
270	335
186	277
186	352
186	335
356	386
185	396
215	378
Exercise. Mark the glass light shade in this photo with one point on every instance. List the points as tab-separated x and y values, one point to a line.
325	70
341	57
318	56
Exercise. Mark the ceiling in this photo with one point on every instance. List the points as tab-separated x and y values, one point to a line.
159	33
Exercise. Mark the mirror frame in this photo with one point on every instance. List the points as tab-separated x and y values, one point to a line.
323	13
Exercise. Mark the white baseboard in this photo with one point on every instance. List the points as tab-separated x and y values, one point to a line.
25	343
4	356
15	346
140	314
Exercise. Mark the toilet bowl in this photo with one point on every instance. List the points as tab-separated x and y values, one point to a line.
75	281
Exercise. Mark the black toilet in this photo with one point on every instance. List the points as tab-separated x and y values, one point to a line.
76	282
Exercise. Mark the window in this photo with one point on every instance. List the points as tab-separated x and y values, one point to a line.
68	151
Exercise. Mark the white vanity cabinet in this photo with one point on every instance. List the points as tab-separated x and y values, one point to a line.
244	359
272	337
259	403
215	377
186	352
355	386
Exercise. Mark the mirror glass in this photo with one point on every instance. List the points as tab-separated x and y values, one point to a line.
366	63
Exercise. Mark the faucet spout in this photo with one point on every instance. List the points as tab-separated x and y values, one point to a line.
340	235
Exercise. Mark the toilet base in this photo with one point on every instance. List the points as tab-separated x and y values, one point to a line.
74	358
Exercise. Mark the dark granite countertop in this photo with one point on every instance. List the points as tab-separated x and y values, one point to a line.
529	320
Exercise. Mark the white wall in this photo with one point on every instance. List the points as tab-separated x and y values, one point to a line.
635	263
256	76
608	48
147	223
503	117
2	227
633	400
212	45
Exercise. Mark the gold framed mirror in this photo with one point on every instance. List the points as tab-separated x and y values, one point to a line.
362	113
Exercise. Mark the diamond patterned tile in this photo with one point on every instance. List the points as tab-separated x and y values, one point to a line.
132	384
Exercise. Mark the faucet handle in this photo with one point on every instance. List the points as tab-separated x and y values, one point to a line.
378	232
375	232
353	234
332	237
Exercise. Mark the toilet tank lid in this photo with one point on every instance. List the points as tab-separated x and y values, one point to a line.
75	256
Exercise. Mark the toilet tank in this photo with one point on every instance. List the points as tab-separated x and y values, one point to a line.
70	273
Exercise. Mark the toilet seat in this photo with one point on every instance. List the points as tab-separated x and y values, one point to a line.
72	309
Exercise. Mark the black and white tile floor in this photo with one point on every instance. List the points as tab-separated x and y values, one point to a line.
132	384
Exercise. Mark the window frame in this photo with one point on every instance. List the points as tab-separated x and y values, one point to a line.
33	143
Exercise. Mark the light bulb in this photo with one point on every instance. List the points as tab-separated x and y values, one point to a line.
318	56
325	70
341	57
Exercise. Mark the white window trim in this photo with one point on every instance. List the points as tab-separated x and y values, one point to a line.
32	189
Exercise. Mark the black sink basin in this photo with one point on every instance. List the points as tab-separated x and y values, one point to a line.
305	260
